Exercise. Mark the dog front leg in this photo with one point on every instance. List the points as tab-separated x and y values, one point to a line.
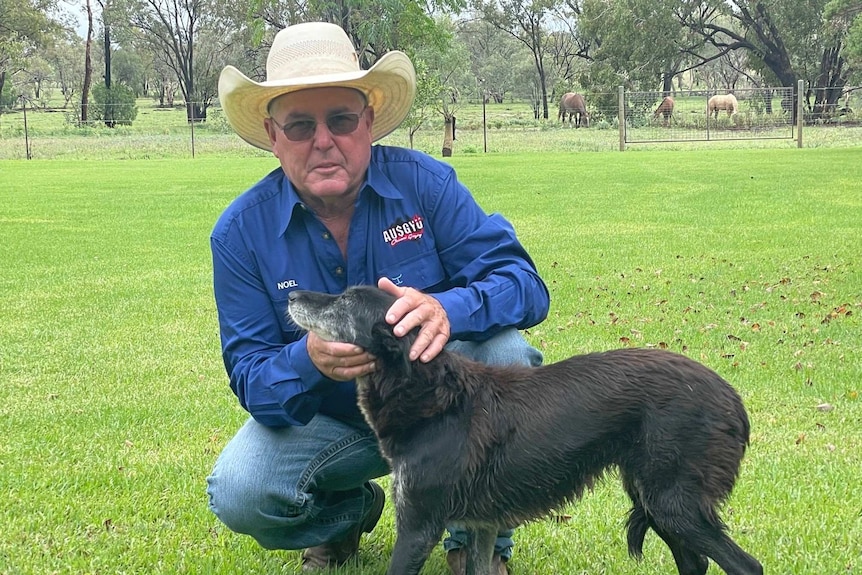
480	550
413	544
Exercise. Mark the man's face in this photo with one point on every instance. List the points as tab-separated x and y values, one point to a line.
326	166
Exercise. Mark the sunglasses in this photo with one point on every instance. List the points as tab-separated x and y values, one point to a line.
338	125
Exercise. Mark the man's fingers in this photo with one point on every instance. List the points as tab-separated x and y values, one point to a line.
434	348
339	361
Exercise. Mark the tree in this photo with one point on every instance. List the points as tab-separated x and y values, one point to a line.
787	40
88	65
25	26
445	68
173	30
427	90
492	55
640	43
847	15
375	27
129	70
523	20
65	60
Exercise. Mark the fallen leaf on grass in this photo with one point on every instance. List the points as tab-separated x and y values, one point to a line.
841	310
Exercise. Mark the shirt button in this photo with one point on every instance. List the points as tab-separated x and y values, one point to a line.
326	235
339	271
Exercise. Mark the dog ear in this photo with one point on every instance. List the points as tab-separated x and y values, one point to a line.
394	351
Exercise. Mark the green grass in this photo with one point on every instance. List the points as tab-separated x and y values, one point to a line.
117	404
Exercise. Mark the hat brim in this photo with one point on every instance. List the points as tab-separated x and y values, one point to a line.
389	85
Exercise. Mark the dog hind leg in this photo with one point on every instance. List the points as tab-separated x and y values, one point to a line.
691	530
718	546
687	561
639	521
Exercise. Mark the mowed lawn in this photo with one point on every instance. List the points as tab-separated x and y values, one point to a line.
116	402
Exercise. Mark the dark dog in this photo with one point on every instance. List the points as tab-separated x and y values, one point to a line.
493	447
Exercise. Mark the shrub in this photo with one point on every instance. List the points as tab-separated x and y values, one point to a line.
114	105
7	98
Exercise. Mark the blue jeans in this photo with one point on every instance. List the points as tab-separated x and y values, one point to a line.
298	487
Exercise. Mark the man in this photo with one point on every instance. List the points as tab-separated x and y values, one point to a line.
338	212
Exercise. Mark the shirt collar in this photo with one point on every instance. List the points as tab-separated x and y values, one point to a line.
375	182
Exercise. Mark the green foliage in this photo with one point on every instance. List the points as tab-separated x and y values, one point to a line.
636	41
113	106
7	97
117	403
847	14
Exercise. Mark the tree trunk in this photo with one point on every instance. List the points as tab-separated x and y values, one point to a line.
666	84
830	84
88	65
107	48
543	84
448	135
109	105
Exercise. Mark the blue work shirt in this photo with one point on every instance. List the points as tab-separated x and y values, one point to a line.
414	223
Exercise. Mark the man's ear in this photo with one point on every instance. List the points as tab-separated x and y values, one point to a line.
393	351
271	130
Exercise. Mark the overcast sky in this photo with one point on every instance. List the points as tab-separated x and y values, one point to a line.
76	12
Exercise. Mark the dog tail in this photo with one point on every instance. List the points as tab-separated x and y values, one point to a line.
637	526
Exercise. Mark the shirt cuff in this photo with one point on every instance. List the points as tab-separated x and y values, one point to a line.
459	314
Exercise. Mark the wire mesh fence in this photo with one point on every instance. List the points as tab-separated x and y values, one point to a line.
706	115
758	117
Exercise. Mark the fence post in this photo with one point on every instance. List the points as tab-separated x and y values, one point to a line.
621	115
191	108
26	131
799	86
484	123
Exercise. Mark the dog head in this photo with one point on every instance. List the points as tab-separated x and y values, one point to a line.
356	316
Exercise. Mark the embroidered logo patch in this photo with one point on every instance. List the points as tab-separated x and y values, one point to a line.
402	231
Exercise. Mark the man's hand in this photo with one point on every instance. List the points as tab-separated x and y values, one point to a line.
416	309
339	361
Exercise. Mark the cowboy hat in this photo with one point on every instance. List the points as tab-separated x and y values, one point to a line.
316	55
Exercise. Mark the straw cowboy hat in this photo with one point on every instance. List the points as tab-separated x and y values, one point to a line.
317	55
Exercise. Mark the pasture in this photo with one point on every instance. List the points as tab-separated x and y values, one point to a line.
499	128
749	260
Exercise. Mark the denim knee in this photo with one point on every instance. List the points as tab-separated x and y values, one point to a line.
248	503
507	347
295	487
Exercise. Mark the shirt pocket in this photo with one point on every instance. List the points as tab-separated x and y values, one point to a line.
422	271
